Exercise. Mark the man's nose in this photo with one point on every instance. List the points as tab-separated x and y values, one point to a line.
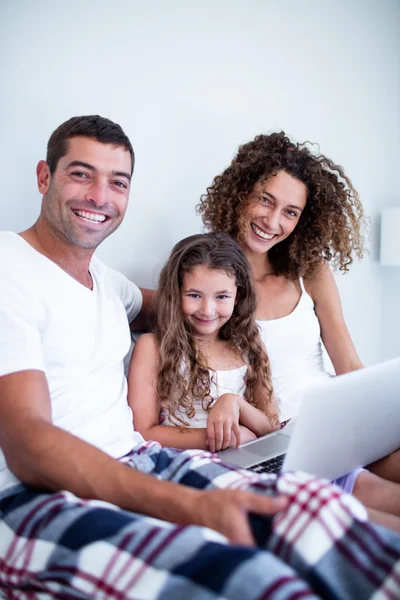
98	192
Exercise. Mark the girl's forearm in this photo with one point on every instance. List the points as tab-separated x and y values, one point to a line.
175	437
255	420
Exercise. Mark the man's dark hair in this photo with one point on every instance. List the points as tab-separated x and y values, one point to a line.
92	126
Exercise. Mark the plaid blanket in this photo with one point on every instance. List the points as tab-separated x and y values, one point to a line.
60	546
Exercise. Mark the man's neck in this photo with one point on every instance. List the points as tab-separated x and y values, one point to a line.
73	260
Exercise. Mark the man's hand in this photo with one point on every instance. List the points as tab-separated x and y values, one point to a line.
223	420
227	511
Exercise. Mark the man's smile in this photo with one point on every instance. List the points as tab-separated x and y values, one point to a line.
90	217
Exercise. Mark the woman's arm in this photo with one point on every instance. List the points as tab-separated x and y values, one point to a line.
144	402
323	290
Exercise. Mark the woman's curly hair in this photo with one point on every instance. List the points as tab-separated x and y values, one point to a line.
330	225
183	373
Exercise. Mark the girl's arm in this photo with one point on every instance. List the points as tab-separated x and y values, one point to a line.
144	402
233	417
256	420
323	290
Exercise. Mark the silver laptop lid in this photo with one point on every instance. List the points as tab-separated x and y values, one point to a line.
347	422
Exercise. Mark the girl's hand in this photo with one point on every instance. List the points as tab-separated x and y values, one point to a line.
246	435
222	422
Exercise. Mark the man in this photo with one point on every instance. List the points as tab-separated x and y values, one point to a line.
77	522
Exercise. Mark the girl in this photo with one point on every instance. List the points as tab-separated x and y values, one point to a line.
205	366
294	212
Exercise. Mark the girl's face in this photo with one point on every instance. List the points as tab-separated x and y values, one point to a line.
207	300
274	211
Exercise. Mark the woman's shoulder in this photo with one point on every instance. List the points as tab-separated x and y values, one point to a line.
320	278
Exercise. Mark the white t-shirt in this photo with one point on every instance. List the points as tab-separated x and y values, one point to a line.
222	382
76	336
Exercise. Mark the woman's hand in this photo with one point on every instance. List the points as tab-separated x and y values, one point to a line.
222	422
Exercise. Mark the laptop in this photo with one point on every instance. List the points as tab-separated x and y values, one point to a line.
345	422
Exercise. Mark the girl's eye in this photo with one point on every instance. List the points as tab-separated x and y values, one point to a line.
194	295
222	297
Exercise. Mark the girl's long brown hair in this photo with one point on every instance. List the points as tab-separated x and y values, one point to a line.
183	373
330	227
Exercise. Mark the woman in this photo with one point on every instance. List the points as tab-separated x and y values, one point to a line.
293	212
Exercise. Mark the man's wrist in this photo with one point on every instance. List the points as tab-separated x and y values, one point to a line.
165	500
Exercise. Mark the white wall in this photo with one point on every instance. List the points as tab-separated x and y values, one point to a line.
189	81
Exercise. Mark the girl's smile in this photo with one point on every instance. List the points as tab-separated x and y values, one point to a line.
207	299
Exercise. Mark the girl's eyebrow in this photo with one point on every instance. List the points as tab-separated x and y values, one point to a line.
193	290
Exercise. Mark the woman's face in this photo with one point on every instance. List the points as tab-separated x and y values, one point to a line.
274	211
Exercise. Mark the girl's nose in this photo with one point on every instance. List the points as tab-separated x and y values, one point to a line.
207	307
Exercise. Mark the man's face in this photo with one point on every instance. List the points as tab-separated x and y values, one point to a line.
85	199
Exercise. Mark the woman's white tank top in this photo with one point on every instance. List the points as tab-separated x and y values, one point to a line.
225	382
295	352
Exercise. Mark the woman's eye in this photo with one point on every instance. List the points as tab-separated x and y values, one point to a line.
292	213
266	200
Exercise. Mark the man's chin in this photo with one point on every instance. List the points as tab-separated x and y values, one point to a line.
92	239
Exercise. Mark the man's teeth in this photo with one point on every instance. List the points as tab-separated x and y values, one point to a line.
90	216
261	233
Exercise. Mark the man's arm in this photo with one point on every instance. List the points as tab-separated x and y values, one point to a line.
142	321
45	456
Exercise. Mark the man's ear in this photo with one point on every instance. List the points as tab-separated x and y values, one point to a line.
43	176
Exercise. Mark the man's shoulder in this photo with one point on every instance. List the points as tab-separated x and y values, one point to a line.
101	268
8	239
105	272
13	253
117	283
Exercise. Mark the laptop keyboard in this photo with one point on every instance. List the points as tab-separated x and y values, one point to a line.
272	465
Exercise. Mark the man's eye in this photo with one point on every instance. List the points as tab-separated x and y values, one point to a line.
121	184
79	174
